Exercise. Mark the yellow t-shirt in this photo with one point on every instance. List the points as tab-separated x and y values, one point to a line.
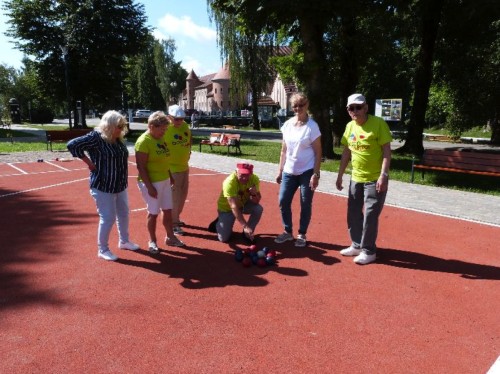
158	156
179	142
231	187
365	143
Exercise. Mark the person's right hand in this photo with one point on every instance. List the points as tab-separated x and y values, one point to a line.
278	178
152	192
248	232
338	183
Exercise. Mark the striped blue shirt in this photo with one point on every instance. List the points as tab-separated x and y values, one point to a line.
110	159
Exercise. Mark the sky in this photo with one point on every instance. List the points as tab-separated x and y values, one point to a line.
185	21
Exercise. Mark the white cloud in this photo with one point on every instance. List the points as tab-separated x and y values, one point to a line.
184	26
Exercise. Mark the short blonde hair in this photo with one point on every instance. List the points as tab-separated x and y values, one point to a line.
109	122
299	96
157	118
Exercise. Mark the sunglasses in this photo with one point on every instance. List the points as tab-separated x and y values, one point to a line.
296	106
352	108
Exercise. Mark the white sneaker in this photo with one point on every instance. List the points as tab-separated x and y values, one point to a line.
153	248
107	255
351	251
301	241
286	236
128	245
364	258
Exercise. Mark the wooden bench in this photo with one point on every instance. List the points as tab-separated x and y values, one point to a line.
63	135
4	124
468	162
223	140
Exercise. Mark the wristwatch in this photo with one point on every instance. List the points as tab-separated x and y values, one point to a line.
384	174
316	175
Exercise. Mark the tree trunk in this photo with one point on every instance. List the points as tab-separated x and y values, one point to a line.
430	11
495	130
314	72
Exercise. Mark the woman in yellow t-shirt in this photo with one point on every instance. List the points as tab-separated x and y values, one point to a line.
153	155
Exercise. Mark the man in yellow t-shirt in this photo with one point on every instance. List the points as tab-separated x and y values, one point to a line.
179	140
367	144
240	196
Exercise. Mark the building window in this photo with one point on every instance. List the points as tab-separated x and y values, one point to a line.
216	90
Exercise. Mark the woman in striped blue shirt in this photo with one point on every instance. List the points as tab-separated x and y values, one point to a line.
106	155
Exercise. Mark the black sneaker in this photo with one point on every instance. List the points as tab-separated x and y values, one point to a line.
212	227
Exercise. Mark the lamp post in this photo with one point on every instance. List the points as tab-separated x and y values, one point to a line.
64	50
173	92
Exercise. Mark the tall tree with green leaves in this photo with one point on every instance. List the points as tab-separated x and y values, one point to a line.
79	46
247	54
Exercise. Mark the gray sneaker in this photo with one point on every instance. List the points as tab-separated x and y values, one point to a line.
286	236
301	241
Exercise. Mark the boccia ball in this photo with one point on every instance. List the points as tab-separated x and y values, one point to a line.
270	260
266	250
271	253
246	262
253	248
261	262
255	258
238	255
261	254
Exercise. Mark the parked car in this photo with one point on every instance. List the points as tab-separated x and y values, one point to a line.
144	113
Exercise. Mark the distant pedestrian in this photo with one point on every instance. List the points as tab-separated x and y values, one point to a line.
367	144
108	164
299	168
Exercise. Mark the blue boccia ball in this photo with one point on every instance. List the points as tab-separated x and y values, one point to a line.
238	255
266	250
270	260
255	259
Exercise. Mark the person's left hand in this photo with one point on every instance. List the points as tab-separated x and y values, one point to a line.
314	182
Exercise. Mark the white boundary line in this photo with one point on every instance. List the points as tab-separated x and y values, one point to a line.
57	166
495	368
43	188
20	170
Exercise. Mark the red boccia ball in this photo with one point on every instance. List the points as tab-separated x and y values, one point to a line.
246	262
261	262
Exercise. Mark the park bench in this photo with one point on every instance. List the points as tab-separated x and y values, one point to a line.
469	162
4	124
223	140
63	135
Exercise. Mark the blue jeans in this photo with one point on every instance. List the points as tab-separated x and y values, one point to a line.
363	223
289	184
111	207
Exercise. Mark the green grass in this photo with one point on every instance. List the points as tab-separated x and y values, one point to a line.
475	132
268	151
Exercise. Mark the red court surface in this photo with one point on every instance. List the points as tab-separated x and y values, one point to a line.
430	303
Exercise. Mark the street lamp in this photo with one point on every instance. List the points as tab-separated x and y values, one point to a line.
173	92
64	50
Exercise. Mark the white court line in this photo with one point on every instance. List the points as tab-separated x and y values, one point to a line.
57	166
43	188
20	170
495	369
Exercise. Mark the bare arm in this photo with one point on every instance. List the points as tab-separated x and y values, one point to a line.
318	154
383	180
141	159
282	162
344	161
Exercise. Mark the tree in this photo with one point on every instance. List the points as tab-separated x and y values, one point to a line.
247	54
88	40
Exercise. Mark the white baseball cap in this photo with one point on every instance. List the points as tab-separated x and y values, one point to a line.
176	111
356	99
